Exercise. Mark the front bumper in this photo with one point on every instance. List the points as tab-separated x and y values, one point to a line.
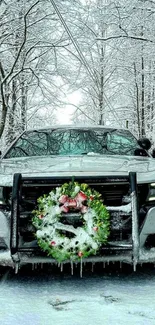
132	252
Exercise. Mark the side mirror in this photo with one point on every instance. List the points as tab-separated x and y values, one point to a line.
140	152
145	143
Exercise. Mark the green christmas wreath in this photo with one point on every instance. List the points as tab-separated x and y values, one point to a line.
83	241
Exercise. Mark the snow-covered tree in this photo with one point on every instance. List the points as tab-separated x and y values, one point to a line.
30	36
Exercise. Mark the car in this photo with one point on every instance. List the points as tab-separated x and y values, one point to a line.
100	182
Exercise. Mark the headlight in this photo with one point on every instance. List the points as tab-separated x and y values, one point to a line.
151	194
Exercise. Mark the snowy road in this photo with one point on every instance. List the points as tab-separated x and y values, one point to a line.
99	298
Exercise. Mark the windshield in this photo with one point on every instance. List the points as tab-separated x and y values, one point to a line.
74	142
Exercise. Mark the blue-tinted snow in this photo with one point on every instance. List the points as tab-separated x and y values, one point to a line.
96	299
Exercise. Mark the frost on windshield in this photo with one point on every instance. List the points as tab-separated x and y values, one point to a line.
63	142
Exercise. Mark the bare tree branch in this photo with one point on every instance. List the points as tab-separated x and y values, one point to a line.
22	45
124	36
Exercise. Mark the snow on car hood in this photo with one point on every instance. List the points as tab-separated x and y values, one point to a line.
91	164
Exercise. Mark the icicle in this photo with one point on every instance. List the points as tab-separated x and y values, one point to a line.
134	267
61	267
108	262
81	268
32	267
104	265
72	268
16	268
41	265
120	265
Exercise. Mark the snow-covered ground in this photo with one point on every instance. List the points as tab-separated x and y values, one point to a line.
99	298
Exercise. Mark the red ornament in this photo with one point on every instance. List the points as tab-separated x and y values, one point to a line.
91	198
80	254
41	216
53	243
95	228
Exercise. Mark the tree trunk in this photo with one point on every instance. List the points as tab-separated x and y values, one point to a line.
23	103
101	91
3	118
11	117
137	101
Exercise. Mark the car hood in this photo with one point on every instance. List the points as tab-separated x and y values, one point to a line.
91	164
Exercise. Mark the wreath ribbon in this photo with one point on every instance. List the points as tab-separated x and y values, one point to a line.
68	203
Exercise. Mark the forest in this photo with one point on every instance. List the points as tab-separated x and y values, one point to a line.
101	51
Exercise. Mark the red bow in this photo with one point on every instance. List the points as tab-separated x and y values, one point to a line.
76	203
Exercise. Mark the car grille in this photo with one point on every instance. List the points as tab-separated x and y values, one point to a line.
115	192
